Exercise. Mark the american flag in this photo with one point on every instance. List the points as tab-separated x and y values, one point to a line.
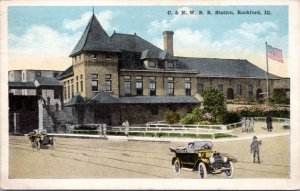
274	53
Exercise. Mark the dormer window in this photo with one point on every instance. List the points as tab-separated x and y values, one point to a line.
169	64
152	64
94	57
107	57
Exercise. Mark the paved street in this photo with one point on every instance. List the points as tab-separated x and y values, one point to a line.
99	158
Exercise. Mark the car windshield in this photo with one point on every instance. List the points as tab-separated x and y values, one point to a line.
198	145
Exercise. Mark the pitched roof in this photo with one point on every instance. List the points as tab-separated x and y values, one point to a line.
76	100
94	38
134	43
47	81
103	97
158	100
212	67
66	73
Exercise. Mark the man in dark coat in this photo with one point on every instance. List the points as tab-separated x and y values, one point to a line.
269	123
254	148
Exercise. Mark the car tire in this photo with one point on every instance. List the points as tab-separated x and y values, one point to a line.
229	173
37	144
176	166
202	172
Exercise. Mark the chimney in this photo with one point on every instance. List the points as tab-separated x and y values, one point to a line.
168	41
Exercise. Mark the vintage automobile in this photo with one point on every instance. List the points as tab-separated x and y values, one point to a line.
39	137
198	156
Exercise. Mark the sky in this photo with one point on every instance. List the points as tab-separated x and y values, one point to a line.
42	37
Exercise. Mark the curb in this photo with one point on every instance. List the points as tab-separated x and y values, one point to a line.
162	140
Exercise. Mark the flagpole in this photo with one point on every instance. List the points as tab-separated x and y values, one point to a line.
267	73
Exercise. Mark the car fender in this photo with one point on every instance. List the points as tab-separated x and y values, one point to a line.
204	161
173	161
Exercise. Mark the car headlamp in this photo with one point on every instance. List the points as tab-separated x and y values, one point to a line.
225	159
212	159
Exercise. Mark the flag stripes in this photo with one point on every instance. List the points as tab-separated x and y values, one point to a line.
274	53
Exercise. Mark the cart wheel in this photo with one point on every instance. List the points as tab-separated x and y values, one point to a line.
176	166
37	144
229	173
202	170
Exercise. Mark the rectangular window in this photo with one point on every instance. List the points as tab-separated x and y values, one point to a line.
108	82
170	88
77	88
187	86
94	82
81	86
138	78
127	77
69	92
72	90
127	88
239	89
170	79
81	76
220	87
200	88
152	88
250	91
139	87
65	92
169	64
76	78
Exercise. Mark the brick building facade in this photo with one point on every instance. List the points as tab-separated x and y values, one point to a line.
123	76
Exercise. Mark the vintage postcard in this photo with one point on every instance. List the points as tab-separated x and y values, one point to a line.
150	95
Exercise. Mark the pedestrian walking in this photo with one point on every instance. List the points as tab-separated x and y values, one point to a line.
254	148
269	123
104	129
248	123
243	124
126	125
252	124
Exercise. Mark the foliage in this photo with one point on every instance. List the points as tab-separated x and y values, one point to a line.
171	117
263	110
198	115
279	96
213	101
230	117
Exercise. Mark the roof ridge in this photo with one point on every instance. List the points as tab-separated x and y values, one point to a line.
210	58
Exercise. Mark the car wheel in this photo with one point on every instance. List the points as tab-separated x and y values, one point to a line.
37	144
229	173
176	166
202	170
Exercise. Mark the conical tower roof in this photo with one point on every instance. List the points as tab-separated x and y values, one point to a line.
94	39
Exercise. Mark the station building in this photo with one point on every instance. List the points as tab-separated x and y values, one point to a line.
124	77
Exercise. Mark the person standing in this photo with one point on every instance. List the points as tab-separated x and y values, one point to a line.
269	123
254	148
252	125
126	125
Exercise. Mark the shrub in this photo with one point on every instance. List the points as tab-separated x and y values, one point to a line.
222	135
171	117
213	102
230	117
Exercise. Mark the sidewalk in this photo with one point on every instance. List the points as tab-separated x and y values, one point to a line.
165	139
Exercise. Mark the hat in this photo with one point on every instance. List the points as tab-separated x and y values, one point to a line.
254	138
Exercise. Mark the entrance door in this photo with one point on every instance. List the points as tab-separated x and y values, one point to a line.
230	93
258	94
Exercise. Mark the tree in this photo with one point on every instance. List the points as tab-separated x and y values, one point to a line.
214	102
